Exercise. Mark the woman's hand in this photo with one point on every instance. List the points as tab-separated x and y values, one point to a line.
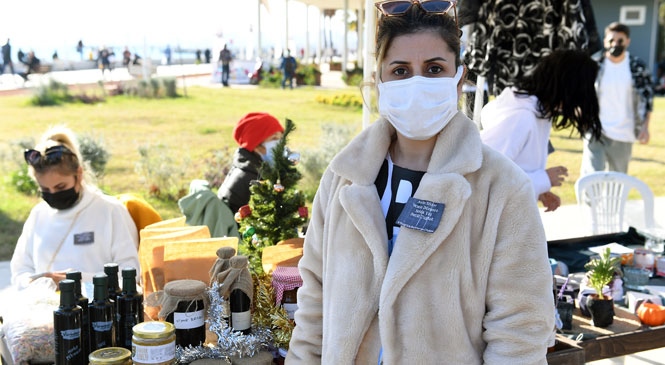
56	276
557	174
550	201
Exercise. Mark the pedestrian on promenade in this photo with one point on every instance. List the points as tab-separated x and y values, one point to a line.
288	68
625	95
7	57
225	58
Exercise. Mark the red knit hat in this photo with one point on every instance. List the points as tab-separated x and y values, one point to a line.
254	128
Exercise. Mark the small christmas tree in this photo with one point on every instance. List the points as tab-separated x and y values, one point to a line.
276	209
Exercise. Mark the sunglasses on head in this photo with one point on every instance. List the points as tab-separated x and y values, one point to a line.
52	156
400	7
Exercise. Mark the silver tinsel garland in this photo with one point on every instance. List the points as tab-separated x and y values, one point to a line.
229	342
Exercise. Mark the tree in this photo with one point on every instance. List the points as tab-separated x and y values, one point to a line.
276	208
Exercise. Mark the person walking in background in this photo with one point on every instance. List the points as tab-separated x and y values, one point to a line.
7	58
31	63
198	57
74	220
207	54
424	245
79	49
104	59
225	58
558	93
167	55
625	95
256	134
288	67
126	57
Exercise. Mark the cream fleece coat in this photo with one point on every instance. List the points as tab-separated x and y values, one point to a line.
477	290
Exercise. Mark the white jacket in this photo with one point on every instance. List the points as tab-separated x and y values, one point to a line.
95	231
477	290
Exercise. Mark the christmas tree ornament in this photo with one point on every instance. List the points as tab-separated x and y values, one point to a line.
292	156
244	211
278	187
303	212
249	232
237	217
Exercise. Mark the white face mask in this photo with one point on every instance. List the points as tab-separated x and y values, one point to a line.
419	107
268	157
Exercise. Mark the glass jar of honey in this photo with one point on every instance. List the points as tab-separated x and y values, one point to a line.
153	343
110	356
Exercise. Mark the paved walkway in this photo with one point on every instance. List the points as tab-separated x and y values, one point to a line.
190	73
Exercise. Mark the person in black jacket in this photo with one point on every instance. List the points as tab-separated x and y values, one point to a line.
31	65
256	134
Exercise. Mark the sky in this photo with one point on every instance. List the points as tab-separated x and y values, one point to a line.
148	26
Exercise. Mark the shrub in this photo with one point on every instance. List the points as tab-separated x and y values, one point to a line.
163	174
53	93
308	74
94	153
315	161
344	100
353	77
154	88
217	165
22	182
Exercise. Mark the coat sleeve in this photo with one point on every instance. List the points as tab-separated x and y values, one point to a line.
306	341
519	321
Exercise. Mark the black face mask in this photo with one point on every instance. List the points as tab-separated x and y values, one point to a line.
616	51
62	199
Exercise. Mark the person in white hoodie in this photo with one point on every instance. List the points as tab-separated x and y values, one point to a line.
559	93
76	226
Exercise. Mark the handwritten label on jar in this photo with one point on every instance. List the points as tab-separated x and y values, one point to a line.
188	320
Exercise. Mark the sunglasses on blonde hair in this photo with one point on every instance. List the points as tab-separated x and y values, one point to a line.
400	7
52	155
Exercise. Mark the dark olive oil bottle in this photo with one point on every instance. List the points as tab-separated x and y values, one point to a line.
82	302
130	308
67	328
102	315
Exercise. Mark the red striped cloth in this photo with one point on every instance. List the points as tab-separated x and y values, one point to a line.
285	278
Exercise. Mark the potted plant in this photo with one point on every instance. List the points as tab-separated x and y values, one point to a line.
600	272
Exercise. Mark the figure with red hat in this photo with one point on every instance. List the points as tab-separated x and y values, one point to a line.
257	134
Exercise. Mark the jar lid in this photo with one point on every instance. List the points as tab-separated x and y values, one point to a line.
110	355
153	329
185	288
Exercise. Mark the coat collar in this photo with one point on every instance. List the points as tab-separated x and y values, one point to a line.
458	151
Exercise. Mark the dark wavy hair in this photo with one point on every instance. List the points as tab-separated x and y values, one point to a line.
563	82
413	21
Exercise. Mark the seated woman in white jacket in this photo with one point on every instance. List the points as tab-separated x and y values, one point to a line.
76	226
558	93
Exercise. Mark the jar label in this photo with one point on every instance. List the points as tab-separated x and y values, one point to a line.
188	320
153	354
290	309
241	320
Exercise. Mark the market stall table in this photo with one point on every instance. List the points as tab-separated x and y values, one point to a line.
627	335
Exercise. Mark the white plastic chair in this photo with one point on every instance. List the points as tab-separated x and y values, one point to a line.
606	193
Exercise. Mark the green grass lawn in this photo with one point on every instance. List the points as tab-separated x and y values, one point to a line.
191	128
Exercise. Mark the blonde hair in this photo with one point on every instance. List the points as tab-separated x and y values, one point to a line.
69	164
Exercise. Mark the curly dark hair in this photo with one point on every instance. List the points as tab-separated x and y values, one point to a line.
563	82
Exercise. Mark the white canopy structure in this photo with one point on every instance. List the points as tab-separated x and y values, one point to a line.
366	26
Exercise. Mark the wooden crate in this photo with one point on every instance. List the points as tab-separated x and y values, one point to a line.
566	352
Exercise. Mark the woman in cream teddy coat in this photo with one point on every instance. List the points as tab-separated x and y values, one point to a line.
476	290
